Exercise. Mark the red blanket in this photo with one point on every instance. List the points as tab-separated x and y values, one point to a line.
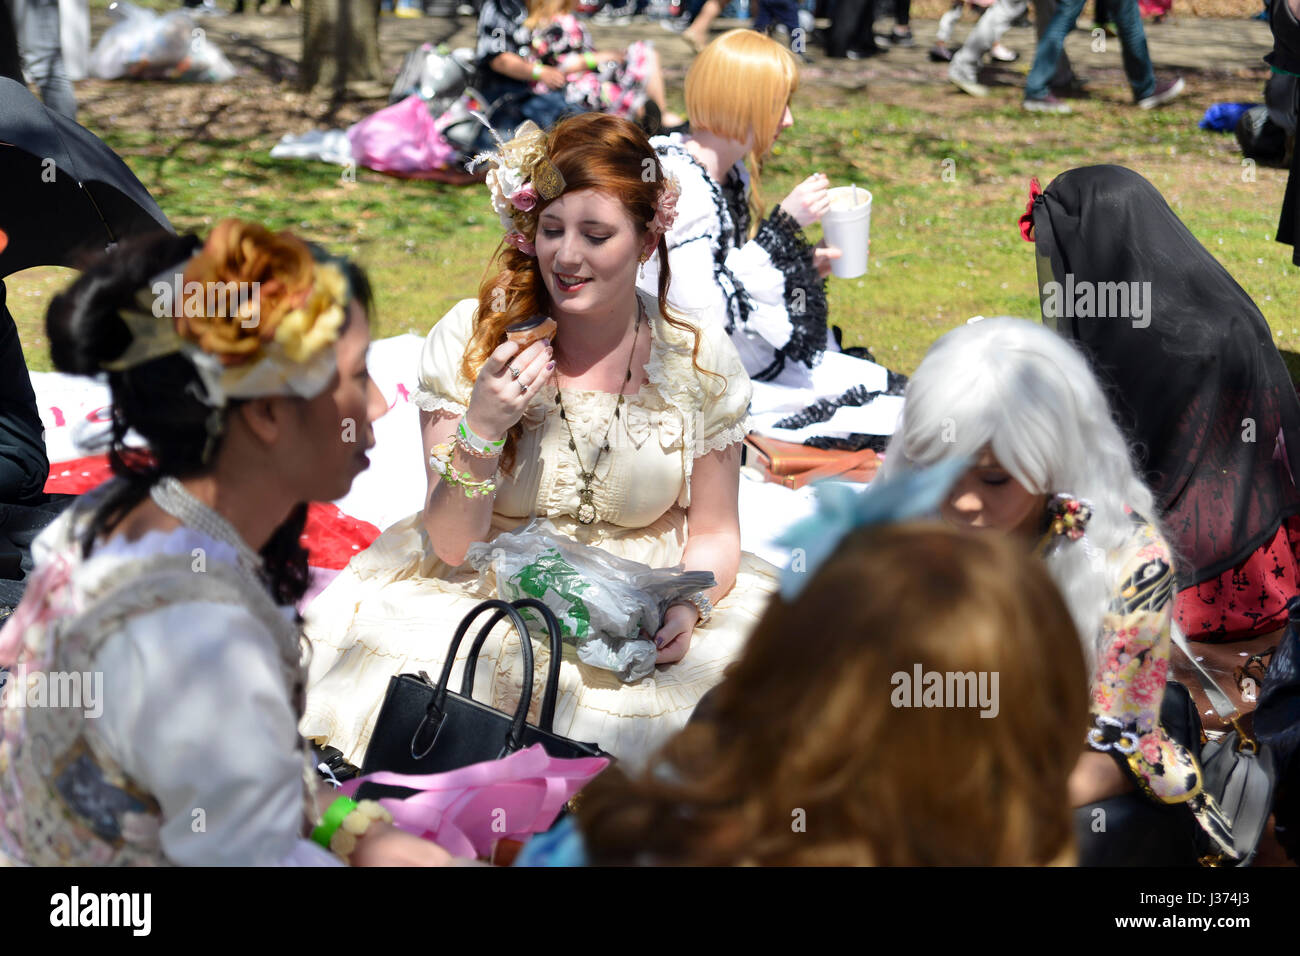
331	537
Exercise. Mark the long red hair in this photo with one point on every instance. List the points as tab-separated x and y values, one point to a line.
591	151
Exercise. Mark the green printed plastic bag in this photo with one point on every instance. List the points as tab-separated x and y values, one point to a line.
609	607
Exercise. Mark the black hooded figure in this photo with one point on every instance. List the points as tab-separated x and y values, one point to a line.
1195	382
1285	58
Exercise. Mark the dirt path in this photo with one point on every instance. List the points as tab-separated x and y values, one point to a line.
1214	55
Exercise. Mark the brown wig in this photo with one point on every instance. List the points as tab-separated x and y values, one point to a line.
804	757
590	151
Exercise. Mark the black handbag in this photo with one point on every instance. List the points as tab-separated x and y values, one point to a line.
1238	771
425	727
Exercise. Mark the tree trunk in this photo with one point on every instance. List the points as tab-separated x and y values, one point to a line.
340	43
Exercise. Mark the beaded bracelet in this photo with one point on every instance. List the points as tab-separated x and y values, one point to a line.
592	62
475	444
440	461
701	604
345	822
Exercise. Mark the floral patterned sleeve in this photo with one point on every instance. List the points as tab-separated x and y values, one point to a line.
1132	667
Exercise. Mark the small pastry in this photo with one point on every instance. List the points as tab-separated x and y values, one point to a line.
527	332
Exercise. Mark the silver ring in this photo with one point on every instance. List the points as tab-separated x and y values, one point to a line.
515	373
523	388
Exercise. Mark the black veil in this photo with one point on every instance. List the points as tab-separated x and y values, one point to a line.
1201	391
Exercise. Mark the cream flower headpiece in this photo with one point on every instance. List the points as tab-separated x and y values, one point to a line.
522	174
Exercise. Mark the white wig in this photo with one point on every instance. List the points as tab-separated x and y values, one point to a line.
1028	395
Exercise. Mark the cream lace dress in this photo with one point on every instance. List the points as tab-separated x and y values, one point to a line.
395	607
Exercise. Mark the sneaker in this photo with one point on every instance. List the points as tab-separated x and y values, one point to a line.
1048	104
940	54
966	82
902	38
1165	92
1002	54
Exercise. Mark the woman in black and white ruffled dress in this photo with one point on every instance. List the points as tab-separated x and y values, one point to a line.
766	284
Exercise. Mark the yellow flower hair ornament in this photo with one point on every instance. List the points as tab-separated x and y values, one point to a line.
252	311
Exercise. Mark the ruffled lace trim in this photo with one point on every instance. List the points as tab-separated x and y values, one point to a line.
735	432
805	291
728	235
854	442
669	369
825	408
429	401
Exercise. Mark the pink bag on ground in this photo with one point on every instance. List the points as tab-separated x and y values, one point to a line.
402	138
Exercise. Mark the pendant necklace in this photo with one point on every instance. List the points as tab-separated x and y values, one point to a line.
586	506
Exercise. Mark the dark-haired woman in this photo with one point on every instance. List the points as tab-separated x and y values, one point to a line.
624	432
168	592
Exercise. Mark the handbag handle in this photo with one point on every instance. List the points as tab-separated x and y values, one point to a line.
552	690
433	714
1220	701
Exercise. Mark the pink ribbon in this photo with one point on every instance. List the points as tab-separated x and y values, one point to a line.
466	811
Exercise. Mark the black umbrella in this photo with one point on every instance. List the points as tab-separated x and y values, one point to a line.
65	192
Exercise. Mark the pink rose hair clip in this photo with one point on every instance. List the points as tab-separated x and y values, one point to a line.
666	207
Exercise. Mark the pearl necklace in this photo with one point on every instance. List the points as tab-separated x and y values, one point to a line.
172	497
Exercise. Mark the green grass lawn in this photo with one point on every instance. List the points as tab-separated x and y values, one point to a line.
949	177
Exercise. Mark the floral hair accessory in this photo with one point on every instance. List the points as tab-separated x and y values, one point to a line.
252	310
842	509
521	242
1069	516
1027	220
666	206
521	176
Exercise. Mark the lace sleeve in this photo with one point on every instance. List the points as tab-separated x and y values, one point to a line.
783	240
724	417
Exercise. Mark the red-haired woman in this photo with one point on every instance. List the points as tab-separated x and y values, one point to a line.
624	432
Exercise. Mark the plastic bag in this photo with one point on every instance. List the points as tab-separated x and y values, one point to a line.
402	138
437	76
143	45
609	607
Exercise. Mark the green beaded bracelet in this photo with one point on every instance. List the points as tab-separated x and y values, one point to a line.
331	820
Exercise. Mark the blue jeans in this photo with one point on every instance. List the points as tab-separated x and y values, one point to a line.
784	12
42	50
1132	40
